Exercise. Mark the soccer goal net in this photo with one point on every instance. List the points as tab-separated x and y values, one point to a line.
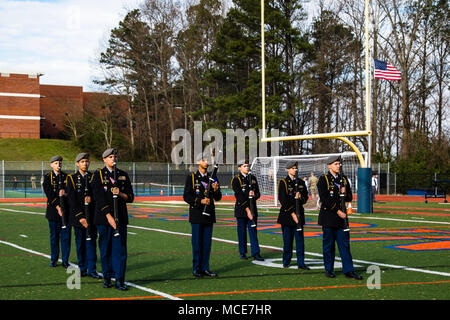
269	170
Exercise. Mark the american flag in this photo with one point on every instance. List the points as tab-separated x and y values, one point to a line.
385	70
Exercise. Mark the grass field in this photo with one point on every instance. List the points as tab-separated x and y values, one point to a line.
13	149
408	242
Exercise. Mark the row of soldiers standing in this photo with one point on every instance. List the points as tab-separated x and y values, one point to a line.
331	215
85	201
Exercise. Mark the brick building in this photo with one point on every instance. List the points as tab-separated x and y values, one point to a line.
29	109
19	106
58	104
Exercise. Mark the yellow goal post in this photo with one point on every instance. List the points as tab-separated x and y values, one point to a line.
332	135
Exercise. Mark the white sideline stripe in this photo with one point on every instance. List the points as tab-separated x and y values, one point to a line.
446	274
159	293
401	220
22	211
27	250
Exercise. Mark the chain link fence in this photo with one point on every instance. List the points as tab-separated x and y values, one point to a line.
23	179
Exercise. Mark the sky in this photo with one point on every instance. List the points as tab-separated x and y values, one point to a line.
60	38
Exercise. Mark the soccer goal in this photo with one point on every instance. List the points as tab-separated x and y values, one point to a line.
269	170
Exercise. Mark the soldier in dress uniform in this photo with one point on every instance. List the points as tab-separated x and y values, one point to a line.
288	218
79	193
331	218
54	186
112	237
202	222
244	188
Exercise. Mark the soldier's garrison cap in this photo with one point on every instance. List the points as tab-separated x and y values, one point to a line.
81	156
56	158
333	159
290	164
108	152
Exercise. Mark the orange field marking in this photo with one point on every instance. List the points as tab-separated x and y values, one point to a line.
274	290
438	245
414	213
412	208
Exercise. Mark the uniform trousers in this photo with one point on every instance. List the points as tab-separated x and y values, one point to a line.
57	234
113	251
289	234
342	238
201	246
244	224
86	249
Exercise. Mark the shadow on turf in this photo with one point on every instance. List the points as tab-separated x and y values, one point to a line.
64	284
172	276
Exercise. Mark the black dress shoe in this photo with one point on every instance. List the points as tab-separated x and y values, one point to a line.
210	274
286	266
330	274
107	283
83	273
258	257
197	274
120	285
304	267
95	275
53	264
243	256
354	275
65	264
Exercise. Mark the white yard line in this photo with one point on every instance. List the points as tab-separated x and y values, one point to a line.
22	211
156	292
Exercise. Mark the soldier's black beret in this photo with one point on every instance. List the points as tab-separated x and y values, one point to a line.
108	152
333	159
81	156
291	164
56	158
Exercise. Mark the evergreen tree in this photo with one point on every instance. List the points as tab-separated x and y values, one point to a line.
235	79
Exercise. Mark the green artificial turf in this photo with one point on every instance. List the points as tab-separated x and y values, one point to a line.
160	258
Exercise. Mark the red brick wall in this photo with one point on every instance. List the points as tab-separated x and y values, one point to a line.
19	83
19	128
19	106
57	105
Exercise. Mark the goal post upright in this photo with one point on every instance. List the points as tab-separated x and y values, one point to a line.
365	171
